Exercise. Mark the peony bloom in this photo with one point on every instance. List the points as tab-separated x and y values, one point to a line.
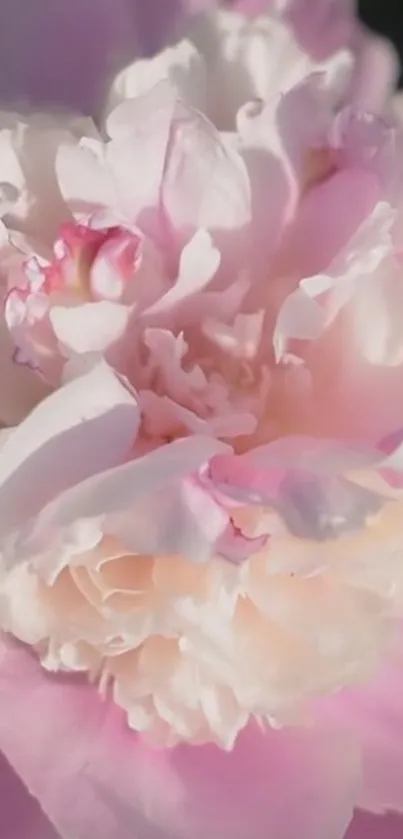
201	469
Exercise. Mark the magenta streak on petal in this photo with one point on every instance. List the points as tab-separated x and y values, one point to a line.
236	547
312	507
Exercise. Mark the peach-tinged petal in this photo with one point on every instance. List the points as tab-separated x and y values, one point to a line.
123	499
184	520
274	783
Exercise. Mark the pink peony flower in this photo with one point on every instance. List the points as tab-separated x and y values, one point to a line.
201	493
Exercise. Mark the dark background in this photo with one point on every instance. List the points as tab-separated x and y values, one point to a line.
385	17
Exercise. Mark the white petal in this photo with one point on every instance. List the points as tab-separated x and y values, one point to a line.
181	65
92	327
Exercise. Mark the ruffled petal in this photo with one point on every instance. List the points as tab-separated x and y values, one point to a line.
181	64
265	56
185	167
151	504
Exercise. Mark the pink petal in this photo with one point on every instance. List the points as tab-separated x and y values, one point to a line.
205	181
140	130
366	826
322	26
116	262
274	188
235	546
334	210
94	413
20	816
95	778
376	714
182	518
183	163
198	265
375	75
307	311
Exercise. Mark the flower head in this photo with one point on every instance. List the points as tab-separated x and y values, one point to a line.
204	513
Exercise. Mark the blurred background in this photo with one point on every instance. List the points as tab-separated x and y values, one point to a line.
61	52
385	17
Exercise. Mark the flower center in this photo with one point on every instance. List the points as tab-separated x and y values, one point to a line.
85	260
89	265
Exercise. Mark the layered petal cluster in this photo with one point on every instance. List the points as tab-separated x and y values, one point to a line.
201	511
